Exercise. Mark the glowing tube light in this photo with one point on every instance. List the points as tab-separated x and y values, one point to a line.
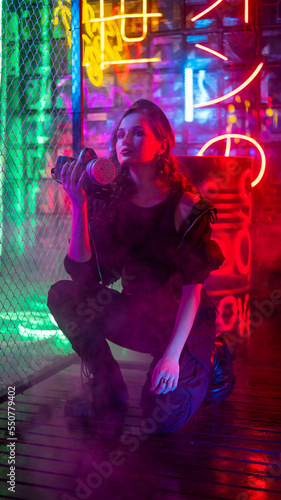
130	61
123	16
233	92
144	23
206	11
38	334
188	94
214	52
102	32
227	147
246	11
246	138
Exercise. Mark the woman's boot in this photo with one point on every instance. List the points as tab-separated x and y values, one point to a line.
222	381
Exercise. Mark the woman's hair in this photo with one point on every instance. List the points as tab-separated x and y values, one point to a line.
124	185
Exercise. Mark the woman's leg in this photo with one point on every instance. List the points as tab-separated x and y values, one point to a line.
194	377
75	310
89	316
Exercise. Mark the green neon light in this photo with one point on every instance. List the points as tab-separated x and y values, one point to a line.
44	98
35	325
38	334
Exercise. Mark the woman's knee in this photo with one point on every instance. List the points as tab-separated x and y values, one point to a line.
163	414
59	291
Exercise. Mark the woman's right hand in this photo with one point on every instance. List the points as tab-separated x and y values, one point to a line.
73	176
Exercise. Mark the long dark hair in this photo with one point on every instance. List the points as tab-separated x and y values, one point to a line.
124	185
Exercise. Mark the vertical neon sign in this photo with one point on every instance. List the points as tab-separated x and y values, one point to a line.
188	87
188	90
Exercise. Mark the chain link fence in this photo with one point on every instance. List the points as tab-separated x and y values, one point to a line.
35	127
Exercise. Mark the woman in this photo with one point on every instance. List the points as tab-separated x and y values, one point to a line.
153	232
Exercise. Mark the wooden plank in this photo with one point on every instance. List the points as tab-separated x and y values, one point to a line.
224	451
166	477
122	483
215	427
190	459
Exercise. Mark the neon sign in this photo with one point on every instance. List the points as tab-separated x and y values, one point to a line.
228	136
233	92
105	42
239	136
188	88
123	16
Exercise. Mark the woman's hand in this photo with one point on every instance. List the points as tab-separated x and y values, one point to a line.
168	369
72	177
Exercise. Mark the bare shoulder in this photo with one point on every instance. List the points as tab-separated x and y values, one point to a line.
184	207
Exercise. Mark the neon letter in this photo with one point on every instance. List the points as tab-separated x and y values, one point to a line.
211	51
233	92
246	138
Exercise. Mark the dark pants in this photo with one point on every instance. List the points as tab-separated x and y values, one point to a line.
89	316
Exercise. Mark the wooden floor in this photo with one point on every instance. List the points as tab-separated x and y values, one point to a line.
231	450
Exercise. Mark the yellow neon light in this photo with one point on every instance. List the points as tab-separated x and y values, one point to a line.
122	17
102	32
233	92
144	23
206	10
65	14
211	51
130	61
246	138
104	42
125	16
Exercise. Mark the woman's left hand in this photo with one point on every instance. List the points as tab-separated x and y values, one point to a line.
168	369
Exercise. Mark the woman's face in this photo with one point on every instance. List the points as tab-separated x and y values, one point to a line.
136	143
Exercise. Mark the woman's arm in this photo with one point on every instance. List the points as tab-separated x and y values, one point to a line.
189	303
168	366
79	247
72	181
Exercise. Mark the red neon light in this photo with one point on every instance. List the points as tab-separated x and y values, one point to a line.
207	10
246	11
246	138
211	51
243	234
227	147
233	92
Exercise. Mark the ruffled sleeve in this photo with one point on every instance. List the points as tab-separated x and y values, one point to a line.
82	272
197	255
